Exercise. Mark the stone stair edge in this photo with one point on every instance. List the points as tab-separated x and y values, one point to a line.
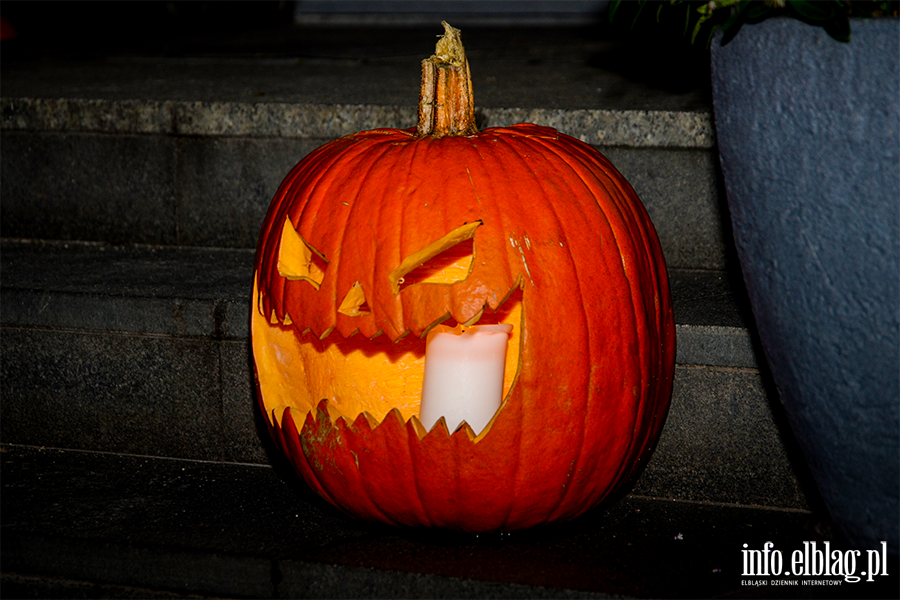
628	128
205	292
266	519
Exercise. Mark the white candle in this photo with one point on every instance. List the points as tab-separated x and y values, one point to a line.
463	375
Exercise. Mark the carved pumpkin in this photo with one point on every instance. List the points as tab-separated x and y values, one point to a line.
377	237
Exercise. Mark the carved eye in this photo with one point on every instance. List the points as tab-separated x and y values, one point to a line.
297	259
446	260
354	303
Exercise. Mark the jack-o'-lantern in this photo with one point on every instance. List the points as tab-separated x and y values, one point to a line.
378	237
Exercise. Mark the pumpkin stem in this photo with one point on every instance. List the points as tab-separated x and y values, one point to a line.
446	106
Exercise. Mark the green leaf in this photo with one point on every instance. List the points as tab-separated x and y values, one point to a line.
737	16
758	13
814	11
612	9
838	28
637	15
703	19
709	38
732	25
728	34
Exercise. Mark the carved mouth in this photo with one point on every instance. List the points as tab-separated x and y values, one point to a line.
355	374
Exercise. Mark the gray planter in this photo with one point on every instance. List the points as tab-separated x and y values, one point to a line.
809	140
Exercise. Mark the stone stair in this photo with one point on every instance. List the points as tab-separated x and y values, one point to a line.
133	186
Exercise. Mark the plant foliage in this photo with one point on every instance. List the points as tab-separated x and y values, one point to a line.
700	20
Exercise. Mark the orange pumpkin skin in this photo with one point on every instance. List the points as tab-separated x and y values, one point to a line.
561	227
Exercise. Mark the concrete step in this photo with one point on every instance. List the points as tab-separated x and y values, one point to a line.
144	350
95	525
188	150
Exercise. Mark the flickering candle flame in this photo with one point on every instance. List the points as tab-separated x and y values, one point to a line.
464	375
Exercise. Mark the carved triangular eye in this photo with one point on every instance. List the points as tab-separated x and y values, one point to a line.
446	260
297	260
354	303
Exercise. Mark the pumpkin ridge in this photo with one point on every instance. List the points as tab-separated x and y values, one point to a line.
303	176
417	152
583	167
290	438
342	218
325	190
356	438
484	170
268	257
315	193
418	161
417	447
322	426
649	323
456	295
412	437
389	435
278	203
408	157
663	318
562	506
510	504
360	211
559	502
523	130
627	238
382	131
642	323
488	202
426	156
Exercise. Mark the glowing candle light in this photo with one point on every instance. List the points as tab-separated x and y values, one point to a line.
464	375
